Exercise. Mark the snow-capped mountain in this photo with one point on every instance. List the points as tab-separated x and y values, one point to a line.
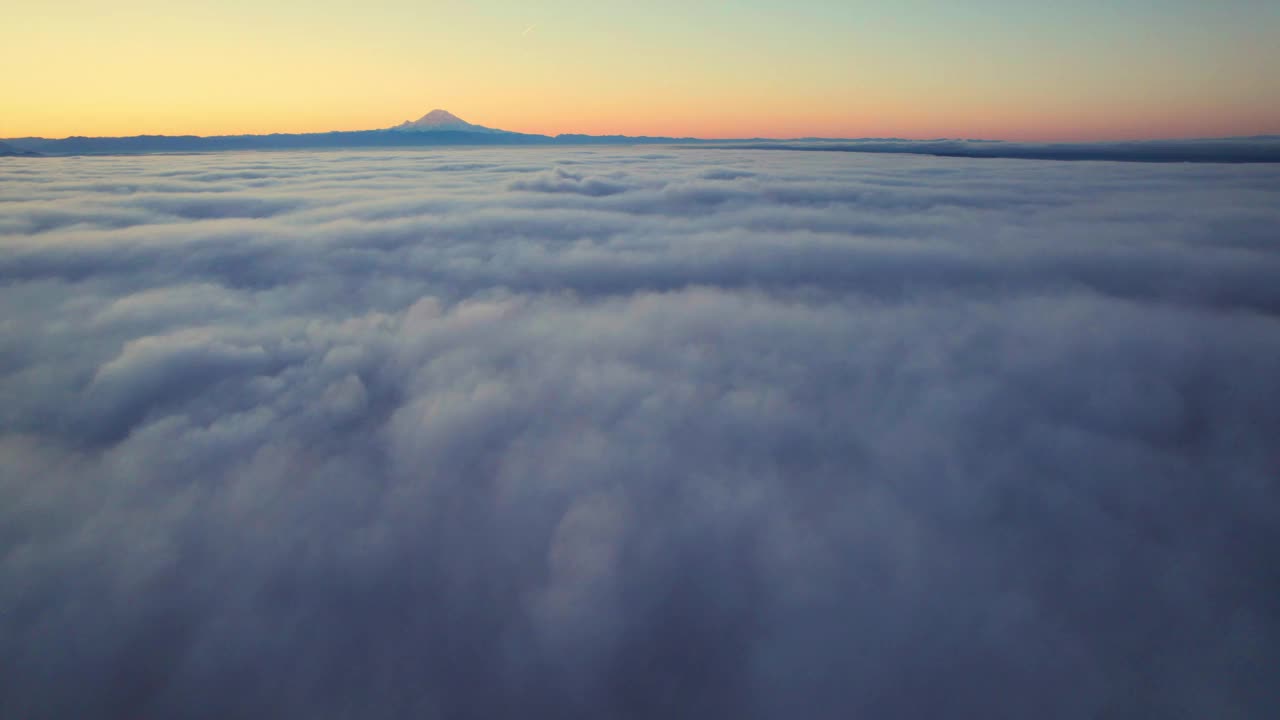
441	120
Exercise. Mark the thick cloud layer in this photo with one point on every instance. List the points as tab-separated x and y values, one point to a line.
616	433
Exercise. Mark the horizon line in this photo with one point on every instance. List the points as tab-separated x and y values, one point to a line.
463	125
1266	135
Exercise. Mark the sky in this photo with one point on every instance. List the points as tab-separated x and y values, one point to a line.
628	432
996	69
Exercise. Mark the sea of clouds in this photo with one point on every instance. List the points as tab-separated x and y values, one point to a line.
638	433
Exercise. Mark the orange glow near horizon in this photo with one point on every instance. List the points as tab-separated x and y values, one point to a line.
758	68
909	123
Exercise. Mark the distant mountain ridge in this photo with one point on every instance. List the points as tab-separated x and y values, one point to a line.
7	150
442	128
438	127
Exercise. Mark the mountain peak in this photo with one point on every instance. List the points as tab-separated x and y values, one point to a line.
441	120
440	117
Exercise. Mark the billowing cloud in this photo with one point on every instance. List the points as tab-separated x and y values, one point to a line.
599	433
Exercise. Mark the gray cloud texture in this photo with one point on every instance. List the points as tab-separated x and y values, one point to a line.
614	434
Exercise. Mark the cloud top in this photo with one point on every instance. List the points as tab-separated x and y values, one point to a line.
605	433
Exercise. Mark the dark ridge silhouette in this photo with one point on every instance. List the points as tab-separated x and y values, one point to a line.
442	128
1258	149
7	150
